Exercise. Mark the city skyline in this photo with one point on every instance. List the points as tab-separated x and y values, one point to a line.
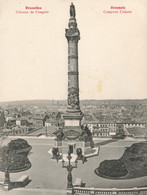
112	60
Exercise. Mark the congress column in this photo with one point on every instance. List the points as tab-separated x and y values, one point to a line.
73	115
73	36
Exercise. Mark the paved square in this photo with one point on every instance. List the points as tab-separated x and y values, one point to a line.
46	173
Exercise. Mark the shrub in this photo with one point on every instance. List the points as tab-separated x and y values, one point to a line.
112	168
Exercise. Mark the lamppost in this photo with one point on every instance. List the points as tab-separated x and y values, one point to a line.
7	183
46	130
7	175
9	160
69	168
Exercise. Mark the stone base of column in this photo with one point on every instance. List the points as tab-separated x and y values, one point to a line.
73	114
73	110
73	118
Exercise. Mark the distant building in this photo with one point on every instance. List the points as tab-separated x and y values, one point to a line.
106	129
9	117
39	120
56	116
22	122
101	129
6	132
2	120
15	131
130	125
50	122
26	113
55	119
11	122
20	130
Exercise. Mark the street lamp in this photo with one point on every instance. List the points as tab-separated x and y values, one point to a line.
69	168
46	130
7	175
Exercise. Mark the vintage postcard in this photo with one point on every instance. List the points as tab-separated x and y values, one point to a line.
73	97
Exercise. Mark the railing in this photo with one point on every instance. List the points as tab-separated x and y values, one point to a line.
110	191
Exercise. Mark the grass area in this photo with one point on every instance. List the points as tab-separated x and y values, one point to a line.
136	131
132	164
100	143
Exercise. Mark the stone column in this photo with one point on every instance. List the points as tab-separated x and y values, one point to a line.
73	36
73	116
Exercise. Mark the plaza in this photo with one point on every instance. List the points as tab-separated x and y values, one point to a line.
46	173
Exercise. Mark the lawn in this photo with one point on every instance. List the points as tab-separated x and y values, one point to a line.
136	131
132	164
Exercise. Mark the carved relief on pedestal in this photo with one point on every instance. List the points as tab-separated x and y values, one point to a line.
73	97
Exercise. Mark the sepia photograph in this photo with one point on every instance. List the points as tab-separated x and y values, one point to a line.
73	97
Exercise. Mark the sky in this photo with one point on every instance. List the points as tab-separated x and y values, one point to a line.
34	50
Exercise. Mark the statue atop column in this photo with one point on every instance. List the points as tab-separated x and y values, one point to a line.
72	10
